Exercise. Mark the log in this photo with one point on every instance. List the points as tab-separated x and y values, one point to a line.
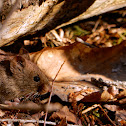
25	17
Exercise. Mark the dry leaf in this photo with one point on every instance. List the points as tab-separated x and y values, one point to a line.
111	107
64	113
105	96
113	91
93	97
82	62
98	96
63	89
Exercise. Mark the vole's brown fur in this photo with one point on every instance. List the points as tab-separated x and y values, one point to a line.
19	76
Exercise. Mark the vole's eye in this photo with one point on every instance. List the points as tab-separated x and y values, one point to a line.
37	78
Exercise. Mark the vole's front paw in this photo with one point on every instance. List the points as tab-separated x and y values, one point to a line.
14	103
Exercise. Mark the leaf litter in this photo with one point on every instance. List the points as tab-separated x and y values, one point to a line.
90	87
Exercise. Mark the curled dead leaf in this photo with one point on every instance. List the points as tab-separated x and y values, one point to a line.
113	90
98	96
64	113
105	96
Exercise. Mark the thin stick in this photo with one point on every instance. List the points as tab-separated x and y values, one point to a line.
31	121
90	108
96	24
107	115
27	121
51	93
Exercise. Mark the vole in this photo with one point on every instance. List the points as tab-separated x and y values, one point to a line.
20	76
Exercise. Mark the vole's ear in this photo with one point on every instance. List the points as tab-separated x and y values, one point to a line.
23	52
17	64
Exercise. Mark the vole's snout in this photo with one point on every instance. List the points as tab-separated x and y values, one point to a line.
44	88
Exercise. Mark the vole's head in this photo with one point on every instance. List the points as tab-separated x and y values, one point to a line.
29	78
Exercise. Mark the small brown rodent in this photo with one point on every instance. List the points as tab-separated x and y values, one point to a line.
19	76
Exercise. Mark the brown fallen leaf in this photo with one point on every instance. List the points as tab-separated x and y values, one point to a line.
105	96
83	62
112	107
93	97
64	89
64	113
113	90
85	91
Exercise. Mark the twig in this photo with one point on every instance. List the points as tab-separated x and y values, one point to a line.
31	121
27	121
107	115
56	35
96	24
87	44
90	108
52	92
